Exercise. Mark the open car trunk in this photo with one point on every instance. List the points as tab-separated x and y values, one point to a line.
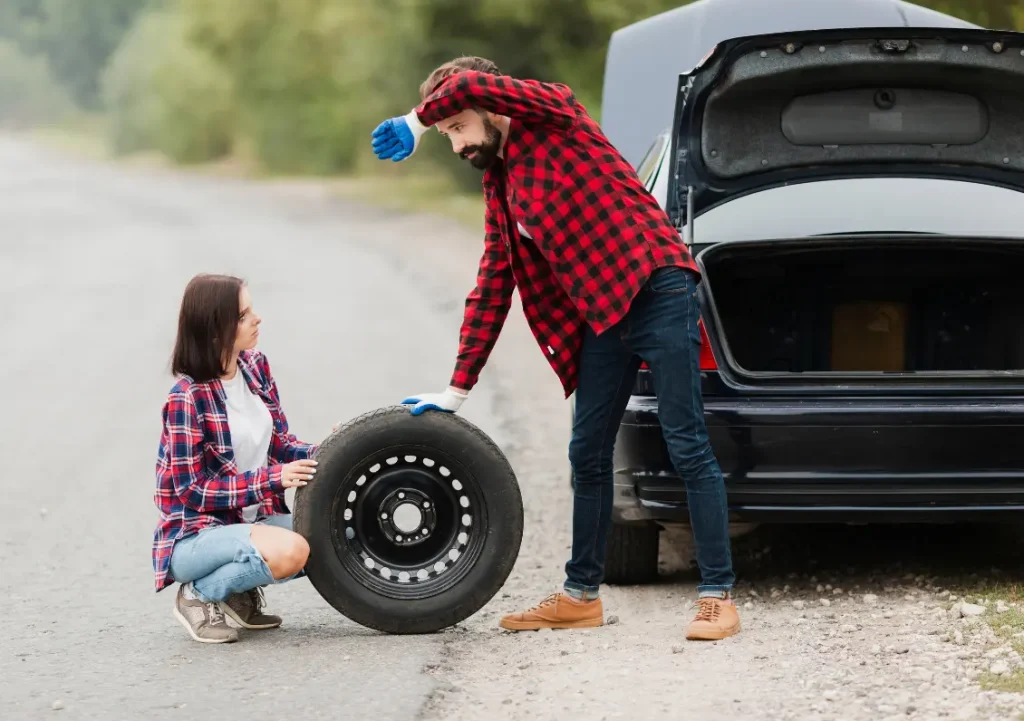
899	309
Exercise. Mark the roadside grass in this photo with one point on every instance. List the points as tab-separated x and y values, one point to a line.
416	189
1014	683
1005	626
80	134
415	192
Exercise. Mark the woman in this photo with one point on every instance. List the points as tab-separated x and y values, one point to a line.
225	460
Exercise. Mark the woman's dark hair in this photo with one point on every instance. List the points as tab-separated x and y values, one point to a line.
207	326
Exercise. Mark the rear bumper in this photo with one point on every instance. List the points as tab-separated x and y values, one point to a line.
835	460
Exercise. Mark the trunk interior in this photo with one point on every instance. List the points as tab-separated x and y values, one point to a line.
856	306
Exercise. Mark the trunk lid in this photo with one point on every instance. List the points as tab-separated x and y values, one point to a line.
644	58
772	110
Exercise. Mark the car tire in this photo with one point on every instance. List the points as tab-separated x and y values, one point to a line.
414	522
632	557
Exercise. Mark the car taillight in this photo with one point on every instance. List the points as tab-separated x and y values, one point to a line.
707	356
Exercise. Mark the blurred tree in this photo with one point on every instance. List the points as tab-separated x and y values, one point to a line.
997	14
29	95
164	93
308	74
20	21
76	36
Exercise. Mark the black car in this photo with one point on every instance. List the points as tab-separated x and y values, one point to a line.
853	198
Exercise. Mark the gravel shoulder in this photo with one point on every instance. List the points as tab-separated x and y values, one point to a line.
838	643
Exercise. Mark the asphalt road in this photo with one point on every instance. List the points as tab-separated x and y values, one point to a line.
360	308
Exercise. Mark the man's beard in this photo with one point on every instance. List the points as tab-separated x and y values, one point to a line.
486	152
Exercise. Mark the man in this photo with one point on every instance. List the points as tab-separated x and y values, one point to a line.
604	282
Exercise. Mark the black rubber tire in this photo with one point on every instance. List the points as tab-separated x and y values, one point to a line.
632	555
480	461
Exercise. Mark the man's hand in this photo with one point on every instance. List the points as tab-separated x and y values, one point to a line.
447	402
398	138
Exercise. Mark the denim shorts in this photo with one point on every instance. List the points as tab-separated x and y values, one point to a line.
222	560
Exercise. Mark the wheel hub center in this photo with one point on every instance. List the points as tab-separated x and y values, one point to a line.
407	517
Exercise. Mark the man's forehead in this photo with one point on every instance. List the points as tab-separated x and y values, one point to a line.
455	120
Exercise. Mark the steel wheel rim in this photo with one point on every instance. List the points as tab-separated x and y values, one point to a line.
382	510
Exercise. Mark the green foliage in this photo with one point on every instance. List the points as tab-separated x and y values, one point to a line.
999	14
29	95
309	75
164	93
76	37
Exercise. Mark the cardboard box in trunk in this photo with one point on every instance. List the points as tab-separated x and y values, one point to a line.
869	336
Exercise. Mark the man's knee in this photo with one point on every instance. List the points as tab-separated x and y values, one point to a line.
590	462
692	455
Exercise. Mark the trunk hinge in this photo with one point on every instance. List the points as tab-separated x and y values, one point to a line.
682	173
688	228
685	195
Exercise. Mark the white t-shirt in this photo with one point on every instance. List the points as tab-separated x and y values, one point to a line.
251	426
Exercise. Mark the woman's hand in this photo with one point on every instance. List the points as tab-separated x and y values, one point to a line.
298	473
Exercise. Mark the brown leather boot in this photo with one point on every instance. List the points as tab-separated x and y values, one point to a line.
716	619
557	611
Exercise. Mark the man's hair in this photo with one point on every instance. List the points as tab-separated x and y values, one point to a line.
467	62
207	326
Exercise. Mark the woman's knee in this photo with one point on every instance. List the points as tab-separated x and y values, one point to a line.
298	553
286	552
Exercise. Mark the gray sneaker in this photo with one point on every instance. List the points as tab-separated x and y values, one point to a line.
204	621
247	610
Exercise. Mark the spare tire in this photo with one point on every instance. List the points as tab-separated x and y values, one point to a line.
414	522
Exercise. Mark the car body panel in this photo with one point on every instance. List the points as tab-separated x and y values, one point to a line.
834	458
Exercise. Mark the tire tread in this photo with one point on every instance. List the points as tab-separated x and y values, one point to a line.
632	556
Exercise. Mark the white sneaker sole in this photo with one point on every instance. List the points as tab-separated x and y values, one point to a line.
188	627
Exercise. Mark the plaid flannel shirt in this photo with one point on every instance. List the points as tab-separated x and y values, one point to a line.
597	233
198	484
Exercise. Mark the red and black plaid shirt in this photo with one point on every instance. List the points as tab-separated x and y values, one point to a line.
597	232
198	484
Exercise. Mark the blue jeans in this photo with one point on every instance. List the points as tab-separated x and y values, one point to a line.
661	329
221	561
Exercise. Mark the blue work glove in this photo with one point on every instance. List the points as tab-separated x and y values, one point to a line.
447	402
398	138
